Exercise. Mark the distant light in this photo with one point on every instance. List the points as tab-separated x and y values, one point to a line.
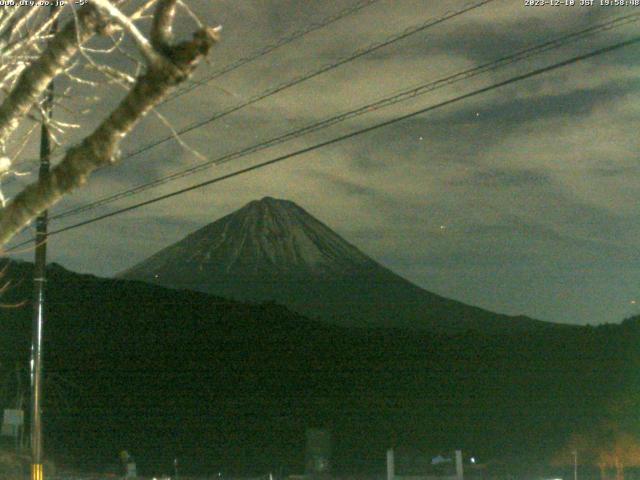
442	227
477	114
633	302
420	138
473	459
157	276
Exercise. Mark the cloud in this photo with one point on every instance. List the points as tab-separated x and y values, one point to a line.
500	178
535	184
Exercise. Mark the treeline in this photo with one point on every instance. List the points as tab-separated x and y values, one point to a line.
231	387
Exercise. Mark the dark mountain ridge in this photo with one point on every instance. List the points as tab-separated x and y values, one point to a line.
273	250
229	386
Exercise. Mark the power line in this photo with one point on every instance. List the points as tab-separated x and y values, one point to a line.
194	84
341	138
302	78
391	100
323	69
270	48
307	76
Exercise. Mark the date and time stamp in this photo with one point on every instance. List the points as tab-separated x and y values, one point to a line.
581	3
527	3
41	3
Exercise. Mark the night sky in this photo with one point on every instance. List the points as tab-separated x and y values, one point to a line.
522	200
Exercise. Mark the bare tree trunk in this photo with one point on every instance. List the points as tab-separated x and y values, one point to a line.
603	470
37	76
619	469
167	67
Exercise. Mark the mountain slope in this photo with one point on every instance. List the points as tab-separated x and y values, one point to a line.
231	387
274	250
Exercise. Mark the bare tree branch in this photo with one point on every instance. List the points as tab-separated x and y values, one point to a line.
34	79
162	28
125	22
101	148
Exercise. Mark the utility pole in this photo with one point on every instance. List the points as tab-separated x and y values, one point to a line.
459	468
575	464
391	469
39	280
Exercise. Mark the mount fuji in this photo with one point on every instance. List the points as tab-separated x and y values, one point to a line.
273	250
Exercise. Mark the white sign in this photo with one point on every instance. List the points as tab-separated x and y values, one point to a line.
12	420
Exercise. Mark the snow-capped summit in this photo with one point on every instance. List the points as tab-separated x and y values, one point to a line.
272	249
277	234
265	236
